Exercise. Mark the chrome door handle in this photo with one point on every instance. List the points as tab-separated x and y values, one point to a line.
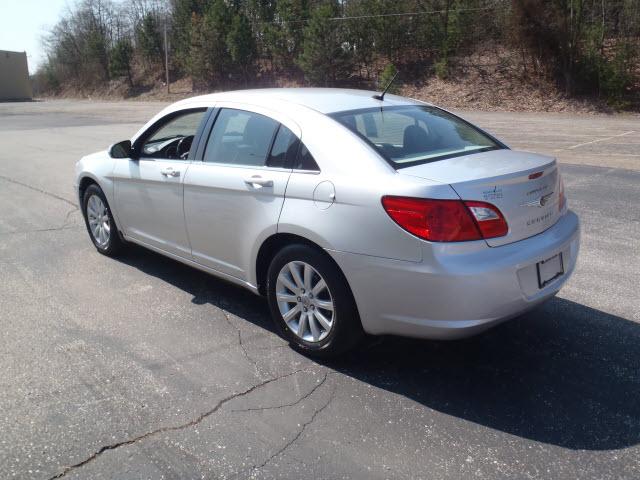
170	172
258	181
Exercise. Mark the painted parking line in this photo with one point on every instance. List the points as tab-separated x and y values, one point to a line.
596	141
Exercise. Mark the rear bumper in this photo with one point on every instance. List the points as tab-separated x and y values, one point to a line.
459	289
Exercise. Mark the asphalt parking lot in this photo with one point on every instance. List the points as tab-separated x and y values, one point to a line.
141	367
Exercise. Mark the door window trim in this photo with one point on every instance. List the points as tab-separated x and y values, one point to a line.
206	135
204	132
208	128
140	141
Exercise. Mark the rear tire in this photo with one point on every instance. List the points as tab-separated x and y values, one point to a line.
311	302
100	223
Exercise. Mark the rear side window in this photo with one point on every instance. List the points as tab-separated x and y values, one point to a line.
284	150
305	160
289	152
413	134
240	138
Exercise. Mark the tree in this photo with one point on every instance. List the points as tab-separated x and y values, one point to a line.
391	32
360	35
121	56
149	40
97	51
241	45
576	39
588	46
209	60
284	36
78	45
324	59
183	14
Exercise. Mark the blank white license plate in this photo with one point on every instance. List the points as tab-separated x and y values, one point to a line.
549	270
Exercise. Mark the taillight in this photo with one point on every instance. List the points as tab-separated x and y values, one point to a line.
446	220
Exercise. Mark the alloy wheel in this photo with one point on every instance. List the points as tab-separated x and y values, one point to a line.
304	301
98	218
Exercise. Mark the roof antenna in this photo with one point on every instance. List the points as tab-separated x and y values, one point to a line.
381	96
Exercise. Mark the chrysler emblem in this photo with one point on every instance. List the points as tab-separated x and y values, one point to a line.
539	202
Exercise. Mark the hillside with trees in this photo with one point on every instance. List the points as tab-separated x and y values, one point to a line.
520	54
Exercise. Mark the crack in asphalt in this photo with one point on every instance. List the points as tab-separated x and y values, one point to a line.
39	230
293	439
64	226
39	190
250	359
220	404
286	405
246	353
173	428
69	213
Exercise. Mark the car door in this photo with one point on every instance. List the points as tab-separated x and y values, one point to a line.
149	188
233	197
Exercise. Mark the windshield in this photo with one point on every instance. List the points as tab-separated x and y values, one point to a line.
414	134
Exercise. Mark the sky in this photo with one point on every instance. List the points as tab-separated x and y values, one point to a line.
23	23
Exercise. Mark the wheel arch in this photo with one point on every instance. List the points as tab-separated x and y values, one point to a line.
84	183
269	248
87	180
351	328
276	242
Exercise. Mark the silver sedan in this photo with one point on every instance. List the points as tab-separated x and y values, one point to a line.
350	212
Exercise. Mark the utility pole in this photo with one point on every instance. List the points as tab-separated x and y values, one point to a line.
166	54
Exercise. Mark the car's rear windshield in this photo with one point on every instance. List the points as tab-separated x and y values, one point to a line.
414	134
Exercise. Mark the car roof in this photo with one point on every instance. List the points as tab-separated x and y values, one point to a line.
323	100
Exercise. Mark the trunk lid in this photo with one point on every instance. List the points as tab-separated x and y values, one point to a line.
524	186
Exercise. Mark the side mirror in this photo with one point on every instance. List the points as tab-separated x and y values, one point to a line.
120	149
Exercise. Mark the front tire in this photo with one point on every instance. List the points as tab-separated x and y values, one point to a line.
311	302
100	223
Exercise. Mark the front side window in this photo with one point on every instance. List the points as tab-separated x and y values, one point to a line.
414	134
240	138
173	139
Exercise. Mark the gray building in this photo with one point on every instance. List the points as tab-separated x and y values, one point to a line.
14	76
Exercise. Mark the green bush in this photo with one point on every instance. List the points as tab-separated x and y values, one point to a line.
441	68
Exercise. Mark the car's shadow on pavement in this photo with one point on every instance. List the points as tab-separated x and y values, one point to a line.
564	374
